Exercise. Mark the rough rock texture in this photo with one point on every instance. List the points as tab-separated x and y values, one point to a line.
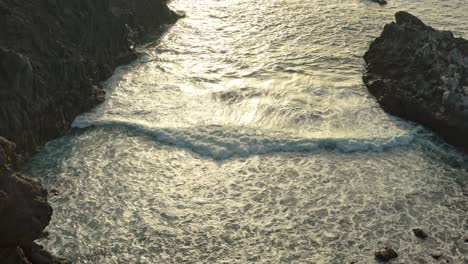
53	53
386	254
24	211
421	74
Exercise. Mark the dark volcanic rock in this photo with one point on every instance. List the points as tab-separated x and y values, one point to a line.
53	53
37	255
420	233
24	211
381	2
13	256
421	74
386	254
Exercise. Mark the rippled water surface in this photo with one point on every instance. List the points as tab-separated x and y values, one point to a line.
245	135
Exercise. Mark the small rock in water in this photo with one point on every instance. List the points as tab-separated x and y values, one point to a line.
380	2
54	192
436	256
386	254
419	233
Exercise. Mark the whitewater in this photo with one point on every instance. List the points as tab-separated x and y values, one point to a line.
244	134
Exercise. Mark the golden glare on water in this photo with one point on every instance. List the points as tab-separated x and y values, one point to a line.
245	135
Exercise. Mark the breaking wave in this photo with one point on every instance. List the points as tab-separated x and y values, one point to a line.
221	142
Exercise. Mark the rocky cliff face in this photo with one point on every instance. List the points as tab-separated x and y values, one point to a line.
24	212
53	53
421	74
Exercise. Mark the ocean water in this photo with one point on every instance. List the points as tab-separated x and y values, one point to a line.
245	135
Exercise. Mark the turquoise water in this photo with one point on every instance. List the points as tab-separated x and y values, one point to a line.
245	135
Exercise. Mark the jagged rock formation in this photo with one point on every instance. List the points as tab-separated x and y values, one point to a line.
421	74
53	53
24	212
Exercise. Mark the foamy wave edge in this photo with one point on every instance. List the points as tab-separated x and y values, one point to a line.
220	143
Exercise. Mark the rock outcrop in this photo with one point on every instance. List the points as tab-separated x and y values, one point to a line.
53	53
24	210
421	74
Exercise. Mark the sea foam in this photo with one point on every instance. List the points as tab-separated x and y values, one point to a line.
221	142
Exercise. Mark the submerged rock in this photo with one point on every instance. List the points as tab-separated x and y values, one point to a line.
54	192
386	254
421	74
420	233
380	2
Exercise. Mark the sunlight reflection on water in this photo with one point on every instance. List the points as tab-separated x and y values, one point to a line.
245	135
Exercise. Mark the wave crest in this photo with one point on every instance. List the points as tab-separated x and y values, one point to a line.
220	143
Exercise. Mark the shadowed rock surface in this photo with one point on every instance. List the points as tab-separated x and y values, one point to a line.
386	254
420	233
24	210
53	53
421	74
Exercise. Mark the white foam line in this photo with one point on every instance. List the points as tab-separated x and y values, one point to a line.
222	143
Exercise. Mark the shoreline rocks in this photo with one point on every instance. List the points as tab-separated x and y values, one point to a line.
24	210
53	54
421	74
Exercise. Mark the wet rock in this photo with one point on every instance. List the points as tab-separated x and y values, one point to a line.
168	217
37	255
53	54
420	73
45	234
54	192
436	256
24	211
420	233
13	255
380	2
386	254
99	93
